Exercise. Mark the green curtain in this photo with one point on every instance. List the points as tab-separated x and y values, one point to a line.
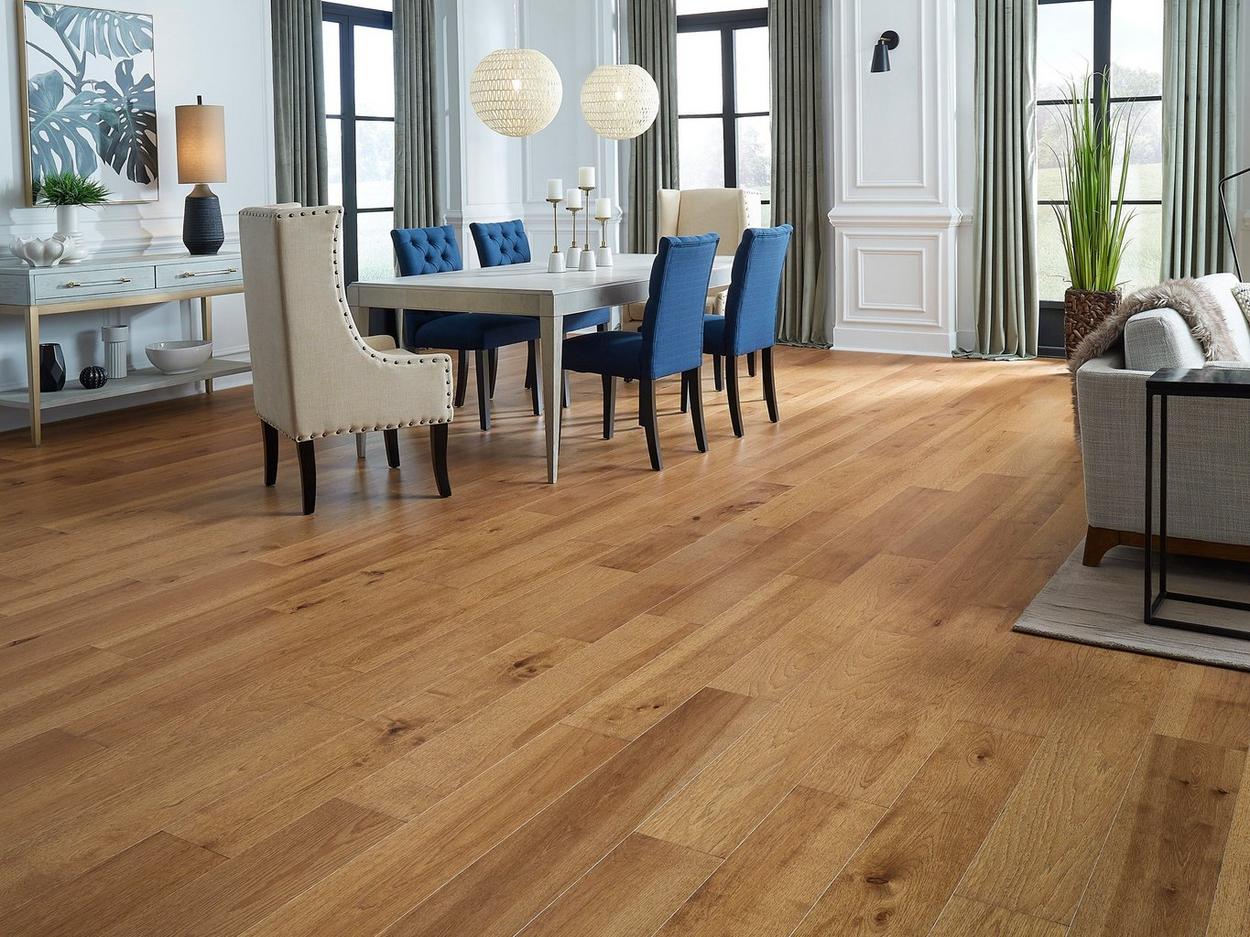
299	99
1004	224
1199	133
795	39
652	36
417	183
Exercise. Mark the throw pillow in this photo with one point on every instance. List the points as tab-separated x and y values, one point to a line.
1242	295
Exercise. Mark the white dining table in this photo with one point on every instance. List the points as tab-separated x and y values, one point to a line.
523	290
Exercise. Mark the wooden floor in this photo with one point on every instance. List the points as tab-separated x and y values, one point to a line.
770	691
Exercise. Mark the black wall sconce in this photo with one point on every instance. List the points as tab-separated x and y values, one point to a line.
881	52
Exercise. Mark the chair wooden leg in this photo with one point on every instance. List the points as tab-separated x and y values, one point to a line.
731	380
646	416
609	406
750	364
391	438
462	377
718	379
307	474
494	370
270	437
566	394
361	450
685	393
531	365
438	456
692	385
770	384
483	394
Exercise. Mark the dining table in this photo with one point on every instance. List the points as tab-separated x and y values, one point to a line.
523	290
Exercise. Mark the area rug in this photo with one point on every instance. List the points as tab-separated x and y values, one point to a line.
1102	606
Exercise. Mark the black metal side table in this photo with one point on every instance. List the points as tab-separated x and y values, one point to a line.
1228	383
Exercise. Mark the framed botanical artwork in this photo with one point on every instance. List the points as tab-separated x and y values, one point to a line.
89	96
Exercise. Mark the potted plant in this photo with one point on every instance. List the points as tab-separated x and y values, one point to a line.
1093	224
68	191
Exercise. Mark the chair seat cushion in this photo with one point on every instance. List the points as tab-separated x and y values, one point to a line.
473	331
586	320
616	353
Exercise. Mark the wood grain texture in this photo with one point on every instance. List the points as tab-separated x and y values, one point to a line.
699	701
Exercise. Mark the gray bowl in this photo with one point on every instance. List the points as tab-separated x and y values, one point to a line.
179	357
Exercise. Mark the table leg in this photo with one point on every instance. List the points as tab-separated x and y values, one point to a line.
206	330
1148	509
551	330
399	329
32	374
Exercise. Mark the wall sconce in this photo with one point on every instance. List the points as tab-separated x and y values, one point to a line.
881	52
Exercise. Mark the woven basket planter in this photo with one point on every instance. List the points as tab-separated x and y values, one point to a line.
1083	312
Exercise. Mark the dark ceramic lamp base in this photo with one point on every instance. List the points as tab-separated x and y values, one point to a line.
202	230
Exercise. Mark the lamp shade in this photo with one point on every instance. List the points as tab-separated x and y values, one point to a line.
516	92
201	131
620	101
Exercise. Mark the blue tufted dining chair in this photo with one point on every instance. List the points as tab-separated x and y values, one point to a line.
750	320
502	243
669	342
435	250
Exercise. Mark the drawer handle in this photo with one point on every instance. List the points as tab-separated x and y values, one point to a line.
75	285
188	274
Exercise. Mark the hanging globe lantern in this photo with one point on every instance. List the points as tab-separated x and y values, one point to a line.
620	101
516	92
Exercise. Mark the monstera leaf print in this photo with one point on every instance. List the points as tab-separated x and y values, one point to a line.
62	135
98	32
127	121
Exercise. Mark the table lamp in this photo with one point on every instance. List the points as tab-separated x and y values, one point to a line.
201	131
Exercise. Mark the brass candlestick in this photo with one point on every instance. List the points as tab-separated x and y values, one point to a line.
587	261
555	263
603	257
574	254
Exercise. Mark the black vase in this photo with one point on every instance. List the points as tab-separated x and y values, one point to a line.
202	229
51	368
93	377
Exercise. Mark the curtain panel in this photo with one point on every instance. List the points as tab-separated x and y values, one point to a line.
652	37
1004	223
1200	104
796	61
418	186
299	102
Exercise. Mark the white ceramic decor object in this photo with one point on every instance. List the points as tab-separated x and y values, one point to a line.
67	229
38	252
620	101
116	345
179	357
516	92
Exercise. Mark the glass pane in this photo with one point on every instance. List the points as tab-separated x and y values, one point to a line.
755	154
1143	256
766	215
334	149
373	240
701	152
717	6
1137	48
1145	175
375	163
369	4
375	74
1052	142
1052	268
330	56
698	73
1065	46
751	65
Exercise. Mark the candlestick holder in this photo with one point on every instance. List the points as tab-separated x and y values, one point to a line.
603	256
555	263
574	252
587	260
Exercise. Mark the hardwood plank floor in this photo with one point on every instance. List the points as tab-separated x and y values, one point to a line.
770	691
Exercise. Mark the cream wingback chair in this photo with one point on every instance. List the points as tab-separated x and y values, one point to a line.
727	212
313	374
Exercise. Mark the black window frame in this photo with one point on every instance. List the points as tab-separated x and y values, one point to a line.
726	23
348	18
1050	311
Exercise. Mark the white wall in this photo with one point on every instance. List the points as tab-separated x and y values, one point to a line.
218	49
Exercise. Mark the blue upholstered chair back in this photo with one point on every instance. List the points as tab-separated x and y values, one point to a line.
501	243
751	307
672	325
426	250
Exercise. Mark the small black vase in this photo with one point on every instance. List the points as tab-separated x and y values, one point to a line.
93	377
51	368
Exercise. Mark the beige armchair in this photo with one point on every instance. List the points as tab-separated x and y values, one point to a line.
313	374
728	212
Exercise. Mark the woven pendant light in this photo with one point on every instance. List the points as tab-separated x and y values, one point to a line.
620	101
516	92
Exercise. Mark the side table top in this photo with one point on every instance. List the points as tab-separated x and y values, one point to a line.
1200	382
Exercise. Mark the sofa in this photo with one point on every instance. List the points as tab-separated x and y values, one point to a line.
1208	440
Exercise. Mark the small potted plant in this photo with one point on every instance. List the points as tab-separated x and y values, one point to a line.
67	191
1094	223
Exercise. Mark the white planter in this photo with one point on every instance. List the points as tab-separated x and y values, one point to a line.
67	229
116	345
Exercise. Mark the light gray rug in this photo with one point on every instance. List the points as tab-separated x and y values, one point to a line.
1103	606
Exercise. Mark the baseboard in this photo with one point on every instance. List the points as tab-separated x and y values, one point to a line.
893	342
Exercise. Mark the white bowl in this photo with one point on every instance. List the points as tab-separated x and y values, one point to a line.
179	357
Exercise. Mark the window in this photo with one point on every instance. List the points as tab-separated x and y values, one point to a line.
724	127
1125	38
360	131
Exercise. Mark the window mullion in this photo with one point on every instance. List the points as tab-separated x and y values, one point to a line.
729	106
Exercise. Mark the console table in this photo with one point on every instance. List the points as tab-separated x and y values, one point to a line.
111	282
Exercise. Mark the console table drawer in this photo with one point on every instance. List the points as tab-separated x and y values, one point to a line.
68	285
195	272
